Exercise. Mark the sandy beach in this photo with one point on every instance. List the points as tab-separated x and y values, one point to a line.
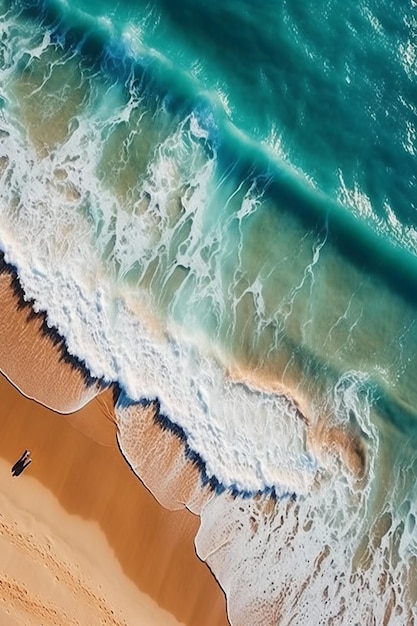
82	540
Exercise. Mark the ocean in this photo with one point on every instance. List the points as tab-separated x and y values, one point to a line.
215	205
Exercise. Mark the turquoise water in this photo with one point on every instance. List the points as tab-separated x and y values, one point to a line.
329	87
215	204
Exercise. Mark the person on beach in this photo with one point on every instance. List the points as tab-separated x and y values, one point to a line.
21	464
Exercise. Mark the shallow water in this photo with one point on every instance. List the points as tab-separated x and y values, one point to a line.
228	230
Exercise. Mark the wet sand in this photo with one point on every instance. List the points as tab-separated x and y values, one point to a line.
34	356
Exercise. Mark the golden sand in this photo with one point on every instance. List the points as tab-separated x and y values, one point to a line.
84	496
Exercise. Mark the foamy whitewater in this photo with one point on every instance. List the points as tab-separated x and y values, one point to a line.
211	237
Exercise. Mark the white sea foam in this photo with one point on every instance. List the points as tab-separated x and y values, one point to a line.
315	561
57	218
341	554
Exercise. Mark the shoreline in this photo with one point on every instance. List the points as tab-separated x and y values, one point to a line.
75	387
97	482
76	458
